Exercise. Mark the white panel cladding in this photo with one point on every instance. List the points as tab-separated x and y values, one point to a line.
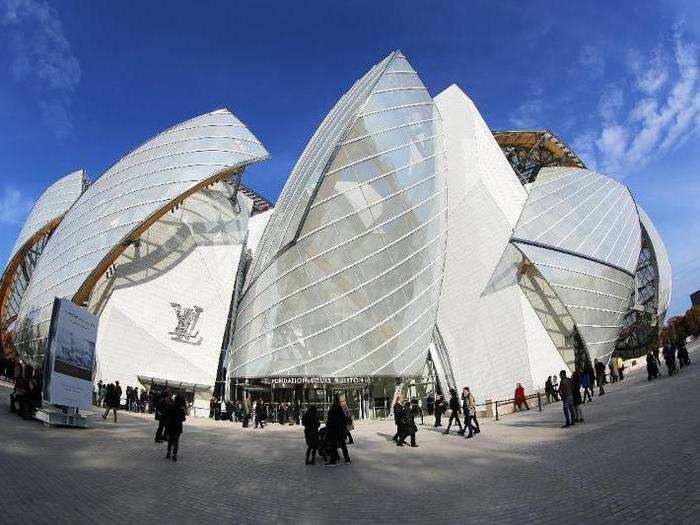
256	227
127	194
596	295
662	262
52	204
583	212
483	330
357	293
188	258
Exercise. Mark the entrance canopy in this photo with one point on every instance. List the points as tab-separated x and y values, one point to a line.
180	385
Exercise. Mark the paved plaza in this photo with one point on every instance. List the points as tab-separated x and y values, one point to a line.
634	460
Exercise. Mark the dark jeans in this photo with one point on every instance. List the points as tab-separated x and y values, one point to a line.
310	451
161	428
569	415
413	439
173	444
454	416
472	427
334	451
438	419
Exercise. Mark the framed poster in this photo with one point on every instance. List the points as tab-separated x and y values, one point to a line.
70	355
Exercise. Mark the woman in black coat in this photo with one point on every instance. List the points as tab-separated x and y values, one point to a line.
311	424
174	416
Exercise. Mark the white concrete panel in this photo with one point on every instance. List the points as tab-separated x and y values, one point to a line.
187	260
483	329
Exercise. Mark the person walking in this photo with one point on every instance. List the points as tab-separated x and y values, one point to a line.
311	424
407	427
416	409
174	417
335	432
111	401
454	413
566	395
599	376
577	400
398	415
620	367
586	385
162	407
469	409
520	398
652	366
669	353
118	395
548	390
247	411
612	366
348	422
683	356
440	409
260	414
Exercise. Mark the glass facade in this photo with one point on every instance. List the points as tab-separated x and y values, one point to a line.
356	291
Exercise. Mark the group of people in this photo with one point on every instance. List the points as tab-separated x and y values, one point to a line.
670	351
404	417
467	407
170	412
336	433
25	397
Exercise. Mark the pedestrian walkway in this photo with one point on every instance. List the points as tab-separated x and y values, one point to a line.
634	460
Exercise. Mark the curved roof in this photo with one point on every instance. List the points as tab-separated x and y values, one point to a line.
662	263
51	205
356	292
42	220
581	230
582	212
122	203
304	179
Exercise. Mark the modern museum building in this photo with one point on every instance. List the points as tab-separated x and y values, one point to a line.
411	247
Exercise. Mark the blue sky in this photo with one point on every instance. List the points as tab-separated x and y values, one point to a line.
82	83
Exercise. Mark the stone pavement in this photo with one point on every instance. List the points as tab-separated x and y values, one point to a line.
634	460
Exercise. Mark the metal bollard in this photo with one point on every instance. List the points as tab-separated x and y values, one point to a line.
539	402
496	410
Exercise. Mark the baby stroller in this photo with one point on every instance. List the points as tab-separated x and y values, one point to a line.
325	447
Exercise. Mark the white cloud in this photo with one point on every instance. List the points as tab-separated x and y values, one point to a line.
14	206
529	114
42	58
664	109
610	103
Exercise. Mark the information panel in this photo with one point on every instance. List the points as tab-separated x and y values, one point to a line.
70	355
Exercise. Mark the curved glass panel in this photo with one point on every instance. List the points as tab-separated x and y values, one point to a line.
356	292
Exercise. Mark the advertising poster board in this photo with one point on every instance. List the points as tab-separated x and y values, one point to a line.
70	355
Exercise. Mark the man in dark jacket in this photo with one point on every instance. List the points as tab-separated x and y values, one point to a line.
161	408
454	415
335	432
440	409
599	376
174	416
398	415
407	427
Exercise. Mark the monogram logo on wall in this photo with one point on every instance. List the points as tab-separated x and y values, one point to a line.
185	331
